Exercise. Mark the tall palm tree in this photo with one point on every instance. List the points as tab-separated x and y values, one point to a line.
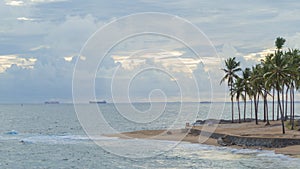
232	67
293	56
246	88
257	84
238	92
265	92
277	76
267	65
267	87
279	42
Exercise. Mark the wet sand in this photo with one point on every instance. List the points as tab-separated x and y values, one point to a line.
247	129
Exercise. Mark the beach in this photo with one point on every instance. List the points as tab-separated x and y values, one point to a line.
212	134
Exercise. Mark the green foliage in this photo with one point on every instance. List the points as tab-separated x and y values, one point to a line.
278	71
289	125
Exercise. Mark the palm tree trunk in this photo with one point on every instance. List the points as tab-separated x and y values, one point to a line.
273	105
232	113
266	108
265	117
293	103
292	97
278	111
281	112
286	102
282	99
256	108
251	109
239	109
245	103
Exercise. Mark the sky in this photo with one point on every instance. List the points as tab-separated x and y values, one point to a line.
46	44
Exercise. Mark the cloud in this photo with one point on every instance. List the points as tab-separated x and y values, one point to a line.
258	56
44	80
170	60
14	3
8	61
47	1
25	19
54	31
30	2
293	41
69	37
39	47
48	68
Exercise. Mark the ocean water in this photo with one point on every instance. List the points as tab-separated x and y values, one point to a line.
51	136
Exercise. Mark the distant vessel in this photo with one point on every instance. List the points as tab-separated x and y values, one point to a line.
206	102
51	102
97	102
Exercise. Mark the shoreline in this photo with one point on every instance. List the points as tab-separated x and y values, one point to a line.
245	135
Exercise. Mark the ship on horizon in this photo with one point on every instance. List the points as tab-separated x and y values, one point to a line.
51	102
97	102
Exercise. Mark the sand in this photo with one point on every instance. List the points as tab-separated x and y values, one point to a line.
247	129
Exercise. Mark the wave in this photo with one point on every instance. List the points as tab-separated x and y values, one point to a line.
50	139
61	139
252	152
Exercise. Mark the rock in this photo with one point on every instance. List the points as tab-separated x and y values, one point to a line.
226	139
221	142
12	132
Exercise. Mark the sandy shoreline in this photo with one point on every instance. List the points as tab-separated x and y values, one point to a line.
245	130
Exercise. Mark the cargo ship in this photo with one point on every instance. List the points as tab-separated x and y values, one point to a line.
97	102
51	102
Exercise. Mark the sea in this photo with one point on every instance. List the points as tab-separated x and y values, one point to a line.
57	136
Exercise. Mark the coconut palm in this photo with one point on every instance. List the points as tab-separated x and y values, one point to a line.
267	64
265	92
257	87
278	72
293	56
277	76
237	90
246	88
279	42
232	67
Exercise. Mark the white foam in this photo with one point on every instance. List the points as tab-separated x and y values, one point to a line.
187	145
62	139
245	151
271	154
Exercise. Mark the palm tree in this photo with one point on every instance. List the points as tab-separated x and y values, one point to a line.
232	67
267	64
246	88
265	92
279	72
238	91
256	85
279	42
293	56
278	75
